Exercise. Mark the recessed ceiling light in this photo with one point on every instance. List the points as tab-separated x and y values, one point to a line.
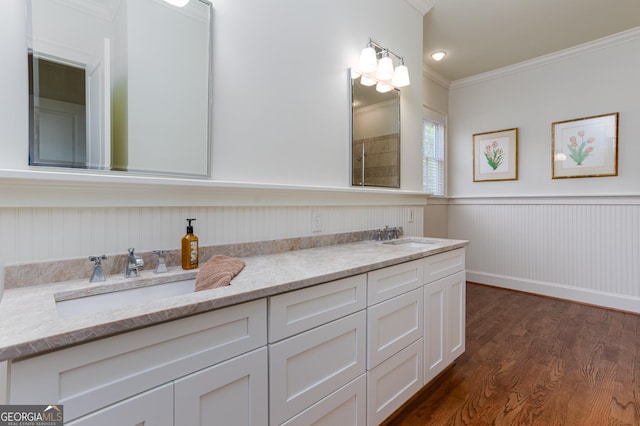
437	56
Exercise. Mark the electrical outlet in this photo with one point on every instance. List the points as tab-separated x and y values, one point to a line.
316	221
411	217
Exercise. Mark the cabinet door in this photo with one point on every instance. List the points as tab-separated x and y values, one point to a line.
393	382
456	311
444	330
307	367
346	406
151	408
230	393
393	325
434	329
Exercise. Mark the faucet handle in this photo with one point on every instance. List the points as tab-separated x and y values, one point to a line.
136	259
98	273
161	266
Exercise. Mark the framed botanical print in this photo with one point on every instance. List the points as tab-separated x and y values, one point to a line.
495	155
585	147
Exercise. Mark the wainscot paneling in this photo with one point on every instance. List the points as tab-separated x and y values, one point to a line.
55	219
585	249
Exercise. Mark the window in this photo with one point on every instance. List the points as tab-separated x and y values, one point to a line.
433	162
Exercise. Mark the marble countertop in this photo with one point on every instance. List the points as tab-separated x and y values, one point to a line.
30	323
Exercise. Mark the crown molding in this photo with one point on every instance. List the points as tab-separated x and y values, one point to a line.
602	43
422	6
434	76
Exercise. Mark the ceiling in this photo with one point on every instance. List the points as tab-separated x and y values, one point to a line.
484	35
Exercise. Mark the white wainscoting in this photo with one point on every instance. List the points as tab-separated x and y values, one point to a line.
36	234
585	249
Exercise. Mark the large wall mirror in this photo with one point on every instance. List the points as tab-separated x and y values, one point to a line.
375	142
120	85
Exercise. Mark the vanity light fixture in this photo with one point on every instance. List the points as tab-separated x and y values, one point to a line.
178	3
380	72
439	55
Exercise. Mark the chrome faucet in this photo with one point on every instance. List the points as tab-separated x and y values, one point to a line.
161	265
392	233
133	262
98	273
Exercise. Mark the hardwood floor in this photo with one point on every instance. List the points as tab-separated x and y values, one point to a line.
532	360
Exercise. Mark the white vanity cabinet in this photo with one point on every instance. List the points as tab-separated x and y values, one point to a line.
115	380
444	304
317	347
345	352
395	329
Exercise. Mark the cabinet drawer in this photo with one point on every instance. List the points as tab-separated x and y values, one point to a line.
393	325
309	366
346	406
302	310
443	264
394	280
90	376
393	382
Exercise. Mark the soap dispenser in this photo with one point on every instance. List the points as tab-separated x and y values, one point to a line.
189	248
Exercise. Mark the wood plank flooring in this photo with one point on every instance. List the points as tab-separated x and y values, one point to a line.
533	360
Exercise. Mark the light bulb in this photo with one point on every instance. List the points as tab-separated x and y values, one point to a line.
368	60
367	81
385	69
400	76
437	56
382	87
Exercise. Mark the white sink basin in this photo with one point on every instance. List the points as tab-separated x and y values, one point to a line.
410	242
69	306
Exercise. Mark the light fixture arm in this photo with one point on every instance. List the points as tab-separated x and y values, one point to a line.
381	49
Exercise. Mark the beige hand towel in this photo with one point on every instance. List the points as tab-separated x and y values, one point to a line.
218	271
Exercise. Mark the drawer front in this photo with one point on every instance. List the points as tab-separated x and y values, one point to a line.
383	284
393	325
393	382
301	310
93	375
443	264
346	406
307	367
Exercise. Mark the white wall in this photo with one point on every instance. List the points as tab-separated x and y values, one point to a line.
281	108
280	118
572	238
596	81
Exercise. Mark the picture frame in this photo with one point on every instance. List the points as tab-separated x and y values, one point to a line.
585	147
495	155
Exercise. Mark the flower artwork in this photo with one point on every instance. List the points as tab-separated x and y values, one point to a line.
580	150
494	155
585	147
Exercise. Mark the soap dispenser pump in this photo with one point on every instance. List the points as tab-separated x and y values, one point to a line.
189	248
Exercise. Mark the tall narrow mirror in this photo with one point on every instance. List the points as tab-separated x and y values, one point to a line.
120	85
375	142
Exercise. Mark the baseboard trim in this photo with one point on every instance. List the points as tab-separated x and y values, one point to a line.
559	291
